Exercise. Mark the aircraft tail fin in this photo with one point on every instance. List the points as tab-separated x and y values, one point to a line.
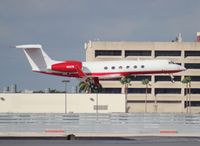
37	58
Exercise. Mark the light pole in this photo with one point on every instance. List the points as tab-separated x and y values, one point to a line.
146	83
65	83
97	106
189	84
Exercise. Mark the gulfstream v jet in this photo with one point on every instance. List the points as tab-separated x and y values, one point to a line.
42	63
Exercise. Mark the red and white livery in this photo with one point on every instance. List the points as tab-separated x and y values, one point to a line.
42	63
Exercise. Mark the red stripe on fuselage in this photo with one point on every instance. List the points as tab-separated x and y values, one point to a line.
104	74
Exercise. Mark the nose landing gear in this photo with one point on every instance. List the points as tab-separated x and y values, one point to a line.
172	78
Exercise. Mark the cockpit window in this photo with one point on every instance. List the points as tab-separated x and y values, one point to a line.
171	62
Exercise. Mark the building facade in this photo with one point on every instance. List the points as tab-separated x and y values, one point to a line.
161	92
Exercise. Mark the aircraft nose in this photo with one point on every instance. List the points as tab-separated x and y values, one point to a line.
182	68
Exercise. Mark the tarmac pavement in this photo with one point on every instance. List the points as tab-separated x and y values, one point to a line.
135	141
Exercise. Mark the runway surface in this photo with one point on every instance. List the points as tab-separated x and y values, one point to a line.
138	141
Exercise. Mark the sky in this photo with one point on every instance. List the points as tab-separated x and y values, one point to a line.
63	26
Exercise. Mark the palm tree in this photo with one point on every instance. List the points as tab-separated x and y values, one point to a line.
126	81
84	87
146	83
88	86
187	80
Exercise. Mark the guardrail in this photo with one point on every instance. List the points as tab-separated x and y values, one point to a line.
124	123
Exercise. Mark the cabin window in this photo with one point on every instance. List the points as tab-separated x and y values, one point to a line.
120	67
113	67
105	67
142	66
127	67
135	66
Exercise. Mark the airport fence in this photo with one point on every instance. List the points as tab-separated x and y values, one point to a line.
114	123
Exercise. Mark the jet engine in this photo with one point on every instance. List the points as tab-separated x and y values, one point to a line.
67	66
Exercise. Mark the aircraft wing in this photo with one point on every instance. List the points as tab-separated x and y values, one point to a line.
80	72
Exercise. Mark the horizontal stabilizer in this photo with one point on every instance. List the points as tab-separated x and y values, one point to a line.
29	46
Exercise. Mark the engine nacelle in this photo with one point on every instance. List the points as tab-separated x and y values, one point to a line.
67	66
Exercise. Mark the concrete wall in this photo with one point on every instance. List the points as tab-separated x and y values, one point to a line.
158	107
85	103
55	103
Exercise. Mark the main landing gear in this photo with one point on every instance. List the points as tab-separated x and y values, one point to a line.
95	86
90	85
